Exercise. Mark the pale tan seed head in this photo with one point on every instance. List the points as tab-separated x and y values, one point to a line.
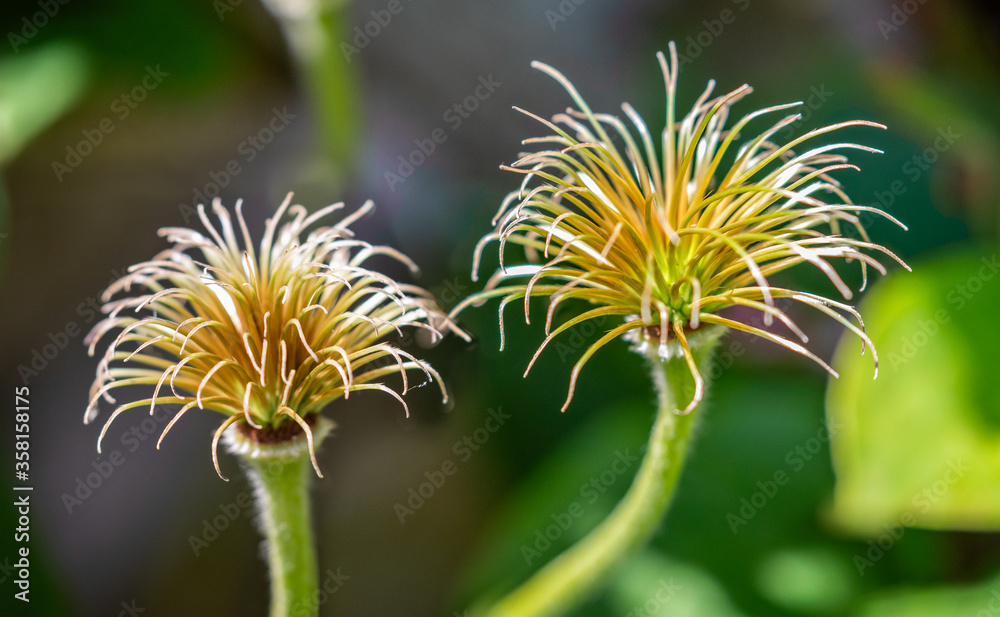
264	335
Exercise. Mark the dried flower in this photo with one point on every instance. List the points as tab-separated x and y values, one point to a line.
669	239
265	337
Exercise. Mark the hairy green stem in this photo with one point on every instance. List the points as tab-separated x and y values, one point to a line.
281	488
572	576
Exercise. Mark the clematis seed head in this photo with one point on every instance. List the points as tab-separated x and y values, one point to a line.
667	232
266	335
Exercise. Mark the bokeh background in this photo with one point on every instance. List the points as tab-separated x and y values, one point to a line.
117	117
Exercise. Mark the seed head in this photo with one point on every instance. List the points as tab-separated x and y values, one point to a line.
264	337
667	235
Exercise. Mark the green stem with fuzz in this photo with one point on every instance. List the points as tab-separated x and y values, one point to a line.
578	572
281	489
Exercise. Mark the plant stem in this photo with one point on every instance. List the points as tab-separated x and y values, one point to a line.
580	570
281	489
314	36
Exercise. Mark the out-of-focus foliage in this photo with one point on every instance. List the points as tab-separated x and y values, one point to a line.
36	87
653	585
919	445
973	600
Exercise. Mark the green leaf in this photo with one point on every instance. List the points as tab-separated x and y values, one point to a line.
654	585
978	600
37	87
813	580
919	446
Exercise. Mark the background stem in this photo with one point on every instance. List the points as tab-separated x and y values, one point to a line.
330	82
282	495
571	577
315	37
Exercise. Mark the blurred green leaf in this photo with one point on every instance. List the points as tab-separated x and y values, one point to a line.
36	87
918	446
809	581
652	585
979	600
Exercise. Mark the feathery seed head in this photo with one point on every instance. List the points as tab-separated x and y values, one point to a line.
667	233
265	336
